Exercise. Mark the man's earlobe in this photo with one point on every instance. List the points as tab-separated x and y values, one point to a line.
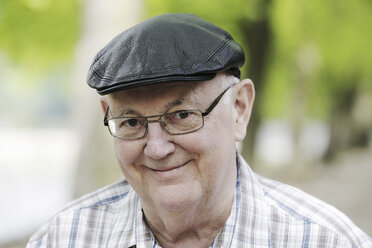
243	103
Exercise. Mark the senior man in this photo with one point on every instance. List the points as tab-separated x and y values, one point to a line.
175	105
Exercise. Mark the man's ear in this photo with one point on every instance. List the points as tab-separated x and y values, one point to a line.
104	104
243	102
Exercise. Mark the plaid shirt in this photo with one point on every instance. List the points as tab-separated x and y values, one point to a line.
265	213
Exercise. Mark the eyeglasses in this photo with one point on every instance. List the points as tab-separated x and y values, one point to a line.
175	123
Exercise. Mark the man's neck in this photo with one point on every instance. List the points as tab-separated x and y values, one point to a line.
188	229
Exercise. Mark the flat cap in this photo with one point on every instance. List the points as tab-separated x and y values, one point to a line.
165	48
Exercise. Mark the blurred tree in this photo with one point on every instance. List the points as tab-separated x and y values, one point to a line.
38	34
37	42
101	21
320	61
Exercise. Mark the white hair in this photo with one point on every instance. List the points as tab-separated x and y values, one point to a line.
225	81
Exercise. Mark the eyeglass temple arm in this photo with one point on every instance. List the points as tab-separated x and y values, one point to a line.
215	102
105	121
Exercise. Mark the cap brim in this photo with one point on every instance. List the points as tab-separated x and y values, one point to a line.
150	81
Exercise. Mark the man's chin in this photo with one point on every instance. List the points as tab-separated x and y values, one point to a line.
178	198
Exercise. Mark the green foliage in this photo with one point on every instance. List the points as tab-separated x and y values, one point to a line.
324	46
37	34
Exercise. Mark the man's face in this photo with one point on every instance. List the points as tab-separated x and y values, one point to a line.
174	172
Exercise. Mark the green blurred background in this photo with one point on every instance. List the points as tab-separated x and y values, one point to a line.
312	122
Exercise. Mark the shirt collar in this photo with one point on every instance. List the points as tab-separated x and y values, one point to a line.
225	237
144	238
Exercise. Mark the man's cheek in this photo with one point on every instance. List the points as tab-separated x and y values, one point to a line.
125	153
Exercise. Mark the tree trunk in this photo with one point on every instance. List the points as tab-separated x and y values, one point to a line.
101	21
257	36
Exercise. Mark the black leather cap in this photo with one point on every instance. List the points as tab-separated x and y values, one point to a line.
165	48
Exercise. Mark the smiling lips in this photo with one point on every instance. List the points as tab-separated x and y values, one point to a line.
169	169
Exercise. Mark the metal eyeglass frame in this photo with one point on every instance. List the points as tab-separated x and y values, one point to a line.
162	123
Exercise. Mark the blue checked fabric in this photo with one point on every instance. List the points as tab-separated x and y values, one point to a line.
265	213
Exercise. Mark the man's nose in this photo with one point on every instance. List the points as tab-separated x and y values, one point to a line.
158	144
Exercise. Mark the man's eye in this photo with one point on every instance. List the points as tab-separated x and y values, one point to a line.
130	123
182	115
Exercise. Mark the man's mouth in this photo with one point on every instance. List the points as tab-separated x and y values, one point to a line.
164	170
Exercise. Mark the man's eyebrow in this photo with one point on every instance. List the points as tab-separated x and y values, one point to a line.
173	103
127	111
123	111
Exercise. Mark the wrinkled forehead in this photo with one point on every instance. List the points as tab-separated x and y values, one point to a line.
152	100
176	89
185	90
